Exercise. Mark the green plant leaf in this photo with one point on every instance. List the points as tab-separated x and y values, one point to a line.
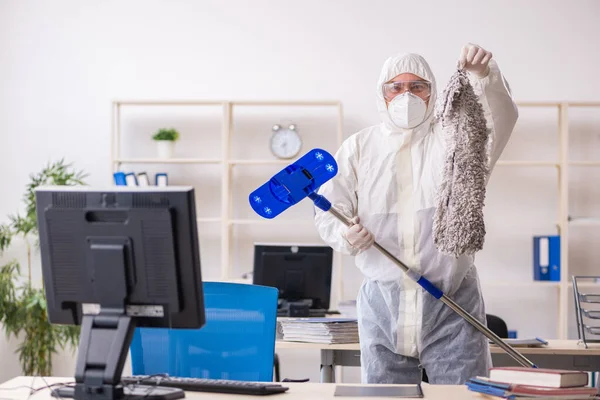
9	298
6	235
166	134
23	308
22	225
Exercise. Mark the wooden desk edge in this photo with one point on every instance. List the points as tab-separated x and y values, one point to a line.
296	391
554	347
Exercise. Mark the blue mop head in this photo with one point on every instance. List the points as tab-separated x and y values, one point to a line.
295	182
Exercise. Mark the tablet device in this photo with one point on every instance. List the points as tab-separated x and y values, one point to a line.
401	391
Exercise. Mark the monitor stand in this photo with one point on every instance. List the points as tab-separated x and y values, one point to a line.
137	392
104	343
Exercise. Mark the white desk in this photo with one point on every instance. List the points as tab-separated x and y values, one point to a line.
297	391
561	354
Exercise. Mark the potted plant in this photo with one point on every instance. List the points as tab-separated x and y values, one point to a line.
165	141
23	311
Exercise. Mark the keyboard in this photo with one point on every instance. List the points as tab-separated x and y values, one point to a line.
206	385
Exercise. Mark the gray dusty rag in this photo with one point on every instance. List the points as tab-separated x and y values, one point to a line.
458	224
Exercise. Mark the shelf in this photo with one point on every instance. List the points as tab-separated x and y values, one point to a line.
584	221
260	162
168	161
583	104
518	163
208	220
528	284
279	103
527	163
269	103
534	284
538	103
168	103
557	104
585	163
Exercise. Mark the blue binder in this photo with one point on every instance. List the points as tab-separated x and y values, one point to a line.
120	179
546	258
161	179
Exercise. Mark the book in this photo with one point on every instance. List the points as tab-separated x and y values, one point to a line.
131	179
119	178
539	377
161	179
142	179
509	390
493	393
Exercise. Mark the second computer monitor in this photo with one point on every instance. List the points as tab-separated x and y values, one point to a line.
299	272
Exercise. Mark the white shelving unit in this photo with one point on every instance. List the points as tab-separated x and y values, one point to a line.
562	213
564	221
227	221
226	162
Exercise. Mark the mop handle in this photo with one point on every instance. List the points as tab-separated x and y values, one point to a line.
438	294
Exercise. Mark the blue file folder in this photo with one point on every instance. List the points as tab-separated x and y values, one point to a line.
546	258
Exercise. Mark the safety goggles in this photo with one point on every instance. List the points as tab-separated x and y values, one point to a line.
418	88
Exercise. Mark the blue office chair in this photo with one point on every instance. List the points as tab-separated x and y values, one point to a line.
237	342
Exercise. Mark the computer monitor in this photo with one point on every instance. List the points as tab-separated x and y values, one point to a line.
130	257
301	273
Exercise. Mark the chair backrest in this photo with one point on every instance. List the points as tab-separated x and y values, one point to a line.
237	342
497	325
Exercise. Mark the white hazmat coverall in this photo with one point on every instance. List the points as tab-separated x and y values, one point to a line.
389	177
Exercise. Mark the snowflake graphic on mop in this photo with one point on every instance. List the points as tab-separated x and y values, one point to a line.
329	167
257	199
319	156
268	210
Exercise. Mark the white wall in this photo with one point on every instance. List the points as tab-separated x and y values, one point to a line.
63	62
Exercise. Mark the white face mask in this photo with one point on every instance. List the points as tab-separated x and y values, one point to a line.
407	110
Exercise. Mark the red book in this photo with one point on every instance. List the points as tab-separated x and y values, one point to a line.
555	378
524	390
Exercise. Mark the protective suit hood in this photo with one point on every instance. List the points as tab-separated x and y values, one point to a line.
400	64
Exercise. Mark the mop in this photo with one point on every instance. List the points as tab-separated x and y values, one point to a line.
458	223
302	179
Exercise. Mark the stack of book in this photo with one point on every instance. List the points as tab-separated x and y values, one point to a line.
320	330
532	383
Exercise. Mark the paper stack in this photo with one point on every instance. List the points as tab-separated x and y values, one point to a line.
320	330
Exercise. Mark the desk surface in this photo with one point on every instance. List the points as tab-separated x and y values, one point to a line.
16	389
556	347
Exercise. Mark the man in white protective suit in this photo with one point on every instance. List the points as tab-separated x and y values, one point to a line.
388	177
